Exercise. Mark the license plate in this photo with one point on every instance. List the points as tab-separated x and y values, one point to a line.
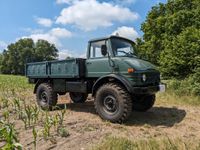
162	88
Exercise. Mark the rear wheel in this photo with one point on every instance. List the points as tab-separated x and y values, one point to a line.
78	97
143	102
113	103
46	97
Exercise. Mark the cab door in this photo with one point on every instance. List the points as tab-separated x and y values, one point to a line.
97	64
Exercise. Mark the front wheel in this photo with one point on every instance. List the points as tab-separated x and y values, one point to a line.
113	103
143	102
46	97
78	97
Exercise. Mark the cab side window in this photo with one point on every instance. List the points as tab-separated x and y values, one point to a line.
95	49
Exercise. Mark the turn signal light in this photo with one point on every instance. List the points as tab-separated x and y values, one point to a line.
130	70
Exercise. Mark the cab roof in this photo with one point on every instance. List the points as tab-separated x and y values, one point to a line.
109	37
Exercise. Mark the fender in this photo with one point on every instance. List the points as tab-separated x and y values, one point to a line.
39	81
115	77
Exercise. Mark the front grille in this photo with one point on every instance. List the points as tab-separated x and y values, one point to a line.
152	78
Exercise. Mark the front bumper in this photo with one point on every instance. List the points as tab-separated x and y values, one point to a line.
149	89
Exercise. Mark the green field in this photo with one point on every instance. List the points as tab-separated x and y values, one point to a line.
171	124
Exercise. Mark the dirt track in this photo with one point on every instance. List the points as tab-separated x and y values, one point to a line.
87	129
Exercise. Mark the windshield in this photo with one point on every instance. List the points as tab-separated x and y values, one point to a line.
122	47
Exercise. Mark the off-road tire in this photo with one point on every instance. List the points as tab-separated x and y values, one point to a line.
121	99
46	97
143	103
78	97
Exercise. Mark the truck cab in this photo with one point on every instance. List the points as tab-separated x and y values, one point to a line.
117	79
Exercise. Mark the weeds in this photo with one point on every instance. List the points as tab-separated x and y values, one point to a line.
63	132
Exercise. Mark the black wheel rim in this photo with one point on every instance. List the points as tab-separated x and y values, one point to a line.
110	104
44	98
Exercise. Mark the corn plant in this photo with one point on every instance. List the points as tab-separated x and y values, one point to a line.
47	126
24	119
17	105
35	114
61	116
13	92
6	115
29	114
8	134
55	122
5	103
34	132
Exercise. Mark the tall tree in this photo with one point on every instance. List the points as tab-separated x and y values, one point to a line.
25	50
166	29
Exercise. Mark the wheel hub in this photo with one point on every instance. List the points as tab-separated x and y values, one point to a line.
110	104
44	97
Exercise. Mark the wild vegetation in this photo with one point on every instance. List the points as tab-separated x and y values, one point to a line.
171	41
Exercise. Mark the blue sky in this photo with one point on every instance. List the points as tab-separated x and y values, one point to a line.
69	24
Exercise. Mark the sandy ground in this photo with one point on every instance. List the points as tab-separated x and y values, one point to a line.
87	129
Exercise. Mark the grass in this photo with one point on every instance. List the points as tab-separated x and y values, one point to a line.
120	143
17	103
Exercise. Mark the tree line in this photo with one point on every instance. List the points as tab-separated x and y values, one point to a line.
13	60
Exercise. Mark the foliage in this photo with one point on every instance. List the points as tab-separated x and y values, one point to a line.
181	56
13	60
171	37
187	87
8	133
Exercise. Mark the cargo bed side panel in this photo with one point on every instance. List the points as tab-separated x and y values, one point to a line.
64	69
70	68
34	70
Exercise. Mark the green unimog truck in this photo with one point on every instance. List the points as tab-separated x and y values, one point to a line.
118	80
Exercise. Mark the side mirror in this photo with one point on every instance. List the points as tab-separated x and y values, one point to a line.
104	50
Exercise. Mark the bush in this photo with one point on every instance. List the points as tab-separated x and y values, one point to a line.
189	86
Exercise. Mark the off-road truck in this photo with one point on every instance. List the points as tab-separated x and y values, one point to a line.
117	79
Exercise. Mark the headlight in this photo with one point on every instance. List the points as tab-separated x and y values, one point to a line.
144	77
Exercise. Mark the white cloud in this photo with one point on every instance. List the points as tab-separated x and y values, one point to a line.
63	54
60	32
53	36
91	14
44	22
127	32
3	45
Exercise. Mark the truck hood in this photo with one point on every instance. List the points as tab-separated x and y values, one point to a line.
139	64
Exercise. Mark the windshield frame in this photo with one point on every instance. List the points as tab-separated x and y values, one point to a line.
125	40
